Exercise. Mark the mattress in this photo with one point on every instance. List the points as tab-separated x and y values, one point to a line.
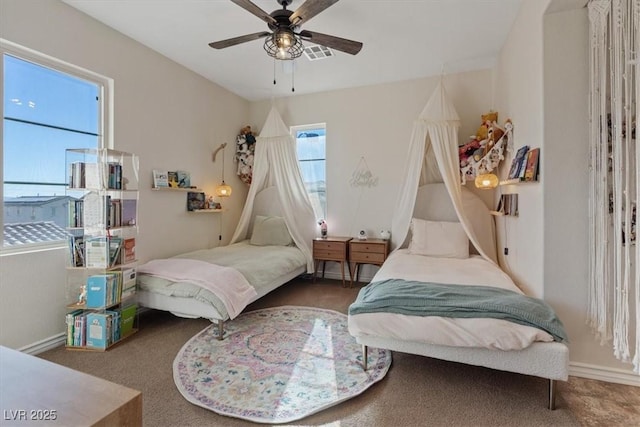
493	334
264	267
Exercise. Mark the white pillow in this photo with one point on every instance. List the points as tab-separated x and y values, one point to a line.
270	231
438	239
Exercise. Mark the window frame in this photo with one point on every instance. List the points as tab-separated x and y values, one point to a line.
105	118
294	130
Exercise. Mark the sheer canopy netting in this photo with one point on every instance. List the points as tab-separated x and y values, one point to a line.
433	157
276	164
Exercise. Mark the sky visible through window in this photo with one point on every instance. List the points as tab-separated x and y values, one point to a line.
45	112
311	150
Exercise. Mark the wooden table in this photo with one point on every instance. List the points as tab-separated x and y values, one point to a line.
370	251
330	249
34	391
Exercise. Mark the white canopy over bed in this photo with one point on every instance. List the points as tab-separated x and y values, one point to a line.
276	164
433	157
383	315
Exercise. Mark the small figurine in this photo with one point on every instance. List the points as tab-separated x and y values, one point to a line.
82	298
323	228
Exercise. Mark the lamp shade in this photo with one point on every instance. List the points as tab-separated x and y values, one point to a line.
223	190
486	181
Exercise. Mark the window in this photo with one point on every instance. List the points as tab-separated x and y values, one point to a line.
48	106
311	148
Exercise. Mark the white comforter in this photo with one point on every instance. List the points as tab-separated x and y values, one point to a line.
487	333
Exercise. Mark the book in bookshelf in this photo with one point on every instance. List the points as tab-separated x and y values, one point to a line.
129	212
96	252
100	290
128	251
531	170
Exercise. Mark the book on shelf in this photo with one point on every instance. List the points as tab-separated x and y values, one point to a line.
533	159
195	200
173	179
127	318
518	162
160	179
76	251
97	252
114	175
128	251
115	247
98	330
128	280
129	212
184	179
100	290
70	320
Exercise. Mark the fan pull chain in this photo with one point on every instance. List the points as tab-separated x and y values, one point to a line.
274	71
293	73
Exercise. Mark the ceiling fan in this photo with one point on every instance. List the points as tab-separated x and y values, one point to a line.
284	40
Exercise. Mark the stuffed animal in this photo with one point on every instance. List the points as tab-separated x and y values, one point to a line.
245	147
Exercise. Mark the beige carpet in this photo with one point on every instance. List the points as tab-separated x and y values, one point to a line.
417	391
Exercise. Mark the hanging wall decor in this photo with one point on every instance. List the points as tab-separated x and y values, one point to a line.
245	148
614	267
362	176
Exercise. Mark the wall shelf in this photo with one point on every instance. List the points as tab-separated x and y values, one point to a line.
205	211
516	181
179	189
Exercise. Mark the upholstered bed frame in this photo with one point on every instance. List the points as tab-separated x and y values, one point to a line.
548	360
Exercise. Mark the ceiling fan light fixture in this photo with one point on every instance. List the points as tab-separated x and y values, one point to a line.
283	45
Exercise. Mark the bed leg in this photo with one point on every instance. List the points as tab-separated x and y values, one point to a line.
552	394
364	356
220	330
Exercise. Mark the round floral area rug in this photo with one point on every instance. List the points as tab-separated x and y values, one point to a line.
276	365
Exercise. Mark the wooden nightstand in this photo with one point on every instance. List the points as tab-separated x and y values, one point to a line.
370	251
330	249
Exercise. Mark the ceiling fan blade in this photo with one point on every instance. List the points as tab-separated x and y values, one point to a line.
308	10
237	40
337	43
249	6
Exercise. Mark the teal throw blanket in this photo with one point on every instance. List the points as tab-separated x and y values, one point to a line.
433	299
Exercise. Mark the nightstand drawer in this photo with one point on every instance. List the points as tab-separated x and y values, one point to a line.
367	257
319	245
337	254
369	247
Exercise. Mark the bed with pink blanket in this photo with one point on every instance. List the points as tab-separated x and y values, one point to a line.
218	283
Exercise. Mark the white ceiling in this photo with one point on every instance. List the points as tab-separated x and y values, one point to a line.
402	40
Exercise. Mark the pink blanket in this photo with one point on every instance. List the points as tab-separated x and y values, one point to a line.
226	283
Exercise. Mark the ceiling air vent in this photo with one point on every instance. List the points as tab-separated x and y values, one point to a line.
317	52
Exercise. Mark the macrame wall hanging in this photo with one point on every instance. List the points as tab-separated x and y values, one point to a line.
614	279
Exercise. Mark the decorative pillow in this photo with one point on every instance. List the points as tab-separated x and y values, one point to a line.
438	239
270	231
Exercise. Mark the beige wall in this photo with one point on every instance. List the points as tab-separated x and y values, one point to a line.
374	123
171	117
542	84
